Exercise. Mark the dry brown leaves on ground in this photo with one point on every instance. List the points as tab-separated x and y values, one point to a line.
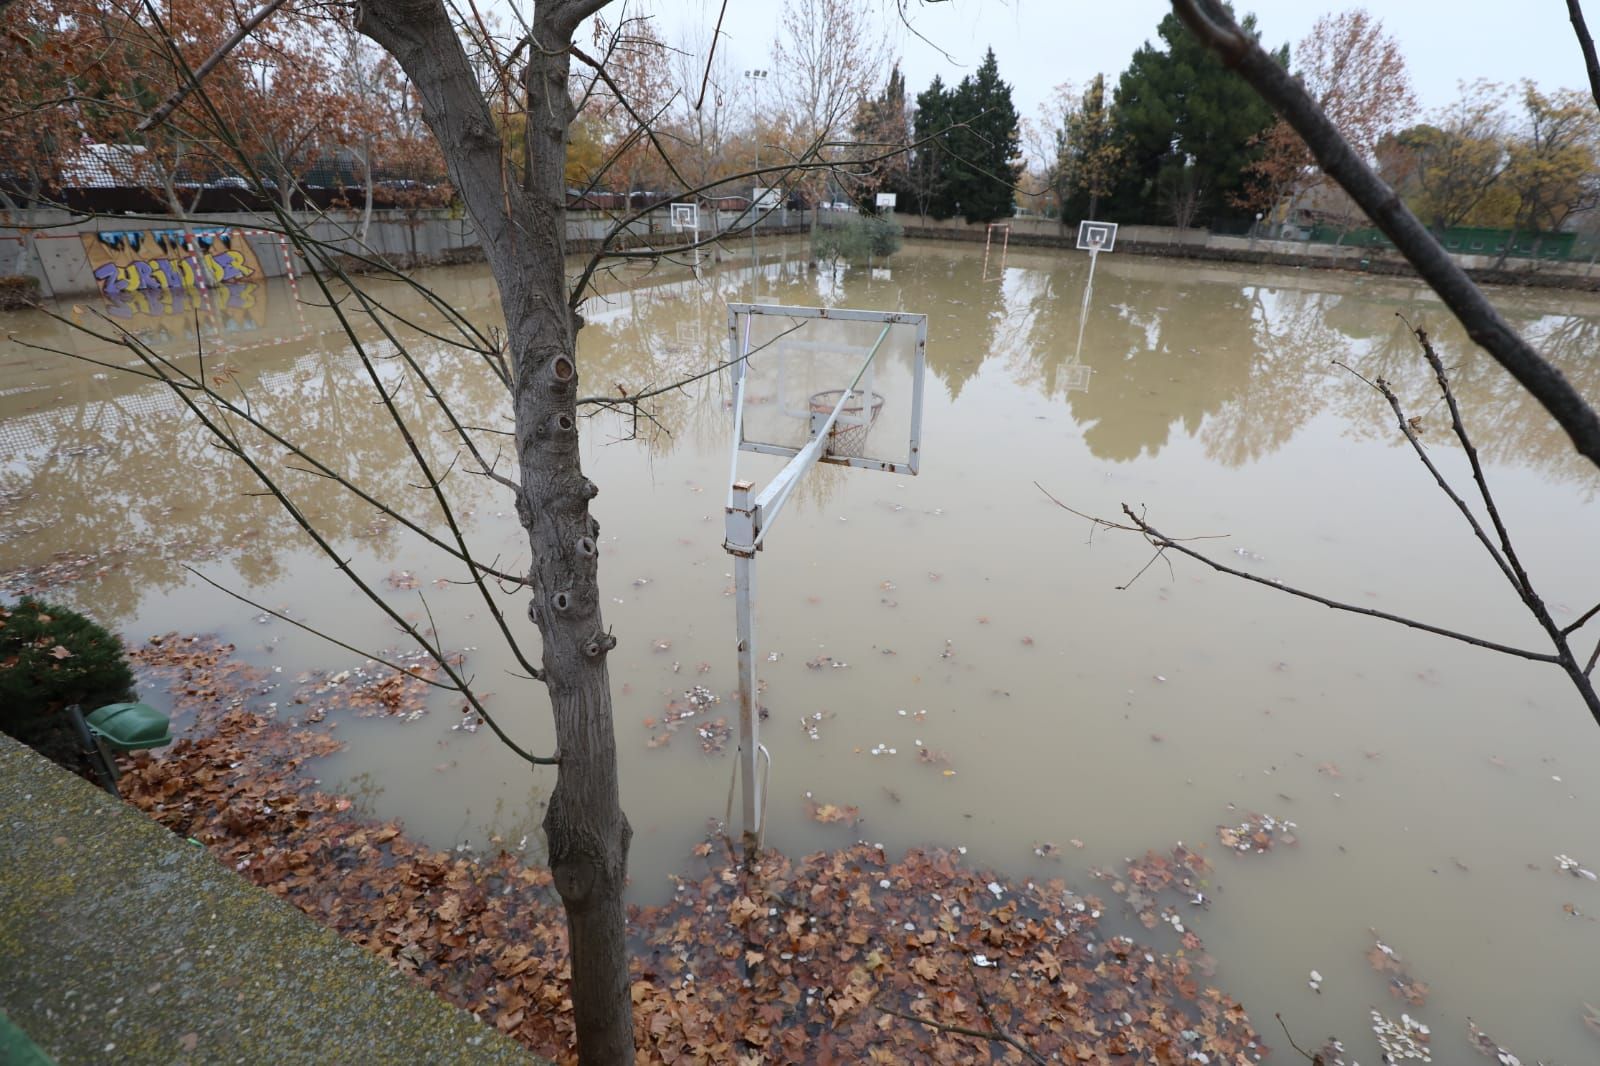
782	962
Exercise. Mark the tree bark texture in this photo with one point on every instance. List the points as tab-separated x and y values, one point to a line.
523	229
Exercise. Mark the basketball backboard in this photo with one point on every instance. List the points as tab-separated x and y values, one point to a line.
791	368
685	216
1096	236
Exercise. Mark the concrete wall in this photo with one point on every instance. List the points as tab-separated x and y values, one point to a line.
1201	244
47	244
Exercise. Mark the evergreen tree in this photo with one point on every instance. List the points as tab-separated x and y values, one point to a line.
984	154
924	179
1189	129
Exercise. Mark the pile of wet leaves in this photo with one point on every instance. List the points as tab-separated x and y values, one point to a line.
842	956
373	688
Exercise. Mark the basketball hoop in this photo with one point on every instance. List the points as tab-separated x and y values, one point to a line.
848	437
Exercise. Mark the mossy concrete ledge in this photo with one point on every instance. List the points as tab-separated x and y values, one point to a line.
120	942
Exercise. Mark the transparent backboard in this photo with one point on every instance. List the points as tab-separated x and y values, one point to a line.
791	367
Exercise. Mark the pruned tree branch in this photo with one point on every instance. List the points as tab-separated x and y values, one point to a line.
995	1035
1591	62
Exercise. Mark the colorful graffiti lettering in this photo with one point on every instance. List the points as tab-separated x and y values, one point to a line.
126	261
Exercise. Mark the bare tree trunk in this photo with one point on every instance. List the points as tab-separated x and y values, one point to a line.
524	238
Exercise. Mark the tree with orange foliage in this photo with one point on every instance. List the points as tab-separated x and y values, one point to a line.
1357	75
630	101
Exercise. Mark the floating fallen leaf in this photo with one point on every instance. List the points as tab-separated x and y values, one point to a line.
1385	960
830	814
1257	833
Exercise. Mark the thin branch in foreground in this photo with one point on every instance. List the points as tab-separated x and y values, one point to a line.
1315	1060
329	637
168	106
1505	555
994	1035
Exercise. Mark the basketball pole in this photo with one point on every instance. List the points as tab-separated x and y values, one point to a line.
741	526
746	525
1088	289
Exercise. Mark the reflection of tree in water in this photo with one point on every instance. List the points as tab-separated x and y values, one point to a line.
667	325
1284	381
970	324
121	467
1162	356
1506	424
1048	304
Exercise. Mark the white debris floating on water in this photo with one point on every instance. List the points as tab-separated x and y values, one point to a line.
1402	1040
1572	866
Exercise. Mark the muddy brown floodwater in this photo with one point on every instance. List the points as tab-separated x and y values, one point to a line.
961	613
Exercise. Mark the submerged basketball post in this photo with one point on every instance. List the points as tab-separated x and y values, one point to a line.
833	356
1094	238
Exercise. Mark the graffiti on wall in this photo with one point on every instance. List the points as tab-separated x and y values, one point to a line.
127	261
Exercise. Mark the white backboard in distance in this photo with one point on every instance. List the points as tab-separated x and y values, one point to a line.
1096	236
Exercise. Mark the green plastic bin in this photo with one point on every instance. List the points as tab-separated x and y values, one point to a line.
130	726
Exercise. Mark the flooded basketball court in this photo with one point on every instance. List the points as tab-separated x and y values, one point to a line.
952	654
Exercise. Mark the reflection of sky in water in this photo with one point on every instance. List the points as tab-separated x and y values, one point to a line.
1211	400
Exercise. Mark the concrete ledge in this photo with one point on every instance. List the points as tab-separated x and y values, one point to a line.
120	942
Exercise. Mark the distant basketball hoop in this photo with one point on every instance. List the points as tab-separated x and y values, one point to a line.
1097	236
685	217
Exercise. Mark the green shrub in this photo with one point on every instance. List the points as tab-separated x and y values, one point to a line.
858	238
51	657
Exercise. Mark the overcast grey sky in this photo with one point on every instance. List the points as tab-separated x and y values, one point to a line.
1041	43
